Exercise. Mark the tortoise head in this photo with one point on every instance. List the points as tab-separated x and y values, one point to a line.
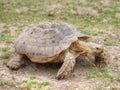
96	49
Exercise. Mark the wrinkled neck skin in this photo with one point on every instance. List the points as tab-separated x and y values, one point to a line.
85	48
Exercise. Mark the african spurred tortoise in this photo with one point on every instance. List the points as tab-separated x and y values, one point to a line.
54	42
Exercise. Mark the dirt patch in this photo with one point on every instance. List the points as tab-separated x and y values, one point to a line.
118	15
21	9
54	6
84	10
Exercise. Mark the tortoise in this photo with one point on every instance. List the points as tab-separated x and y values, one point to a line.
56	43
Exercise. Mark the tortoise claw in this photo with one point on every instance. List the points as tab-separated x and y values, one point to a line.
62	75
13	65
100	65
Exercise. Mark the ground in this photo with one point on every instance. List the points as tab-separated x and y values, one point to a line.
99	19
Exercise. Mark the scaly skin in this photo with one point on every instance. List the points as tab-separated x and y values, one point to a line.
67	67
16	62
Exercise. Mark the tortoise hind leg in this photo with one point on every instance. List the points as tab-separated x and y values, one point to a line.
67	66
16	61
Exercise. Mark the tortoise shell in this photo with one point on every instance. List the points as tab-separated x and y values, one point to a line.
46	39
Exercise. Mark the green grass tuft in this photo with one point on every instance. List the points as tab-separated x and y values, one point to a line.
4	49
6	38
29	84
91	32
33	76
111	43
13	84
45	83
5	56
102	73
2	82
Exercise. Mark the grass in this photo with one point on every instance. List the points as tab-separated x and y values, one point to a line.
13	84
111	43
39	11
2	82
33	77
36	85
4	49
6	38
104	86
89	65
29	84
102	73
91	32
5	56
45	83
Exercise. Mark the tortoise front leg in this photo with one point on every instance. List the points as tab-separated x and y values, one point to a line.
100	60
16	61
67	67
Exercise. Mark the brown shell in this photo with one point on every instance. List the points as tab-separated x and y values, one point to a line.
46	39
